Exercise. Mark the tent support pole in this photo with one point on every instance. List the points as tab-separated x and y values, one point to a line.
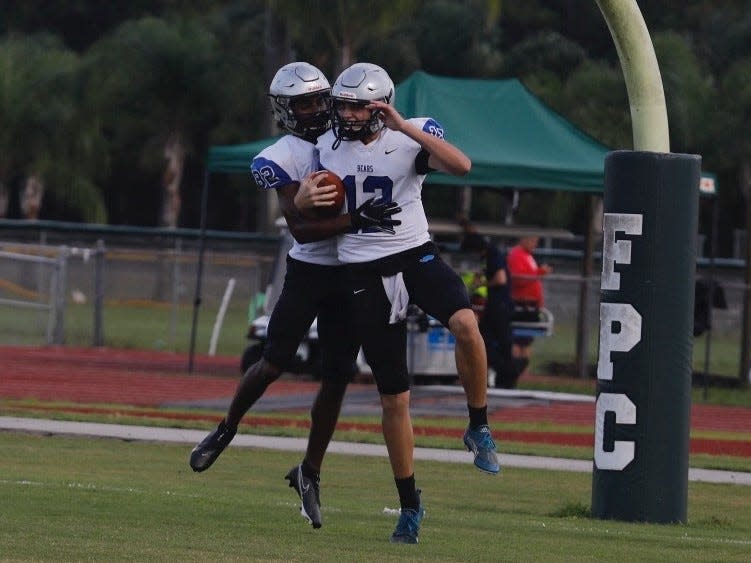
199	269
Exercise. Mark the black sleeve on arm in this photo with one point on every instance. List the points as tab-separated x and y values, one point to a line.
421	162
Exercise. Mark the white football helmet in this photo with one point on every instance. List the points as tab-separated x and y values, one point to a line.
361	83
292	82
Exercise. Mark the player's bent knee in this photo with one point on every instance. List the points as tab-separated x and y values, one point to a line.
391	386
463	325
393	403
265	371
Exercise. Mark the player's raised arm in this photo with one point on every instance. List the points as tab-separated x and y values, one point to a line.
443	155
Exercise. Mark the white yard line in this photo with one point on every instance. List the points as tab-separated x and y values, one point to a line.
182	436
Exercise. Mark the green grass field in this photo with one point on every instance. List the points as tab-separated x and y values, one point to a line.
140	326
73	499
561	349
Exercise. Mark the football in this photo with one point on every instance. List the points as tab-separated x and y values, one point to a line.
329	178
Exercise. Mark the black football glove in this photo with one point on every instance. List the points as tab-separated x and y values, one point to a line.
375	214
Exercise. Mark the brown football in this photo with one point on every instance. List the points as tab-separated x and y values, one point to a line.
329	179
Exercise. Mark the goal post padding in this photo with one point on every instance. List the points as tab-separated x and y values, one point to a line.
646	336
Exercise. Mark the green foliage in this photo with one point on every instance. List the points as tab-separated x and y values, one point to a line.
459	38
45	131
30	74
445	36
735	119
724	32
396	52
199	69
79	23
332	32
156	86
241	32
595	99
689	92
546	51
161	73
79	197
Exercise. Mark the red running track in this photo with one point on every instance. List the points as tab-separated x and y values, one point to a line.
150	379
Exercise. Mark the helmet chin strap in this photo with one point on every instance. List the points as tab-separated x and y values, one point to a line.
351	135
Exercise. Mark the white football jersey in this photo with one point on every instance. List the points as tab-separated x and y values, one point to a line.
386	167
289	160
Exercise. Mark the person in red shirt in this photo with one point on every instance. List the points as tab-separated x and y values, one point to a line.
526	292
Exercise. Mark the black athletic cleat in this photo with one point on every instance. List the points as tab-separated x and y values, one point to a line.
206	452
307	489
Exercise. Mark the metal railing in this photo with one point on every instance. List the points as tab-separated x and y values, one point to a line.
72	277
54	304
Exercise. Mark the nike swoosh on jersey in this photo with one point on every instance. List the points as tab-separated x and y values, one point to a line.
358	291
389	151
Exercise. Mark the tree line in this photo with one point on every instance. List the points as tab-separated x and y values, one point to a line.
108	108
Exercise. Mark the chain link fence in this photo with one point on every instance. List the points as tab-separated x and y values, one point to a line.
131	289
136	288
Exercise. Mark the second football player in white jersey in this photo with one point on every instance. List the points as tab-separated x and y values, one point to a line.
314	285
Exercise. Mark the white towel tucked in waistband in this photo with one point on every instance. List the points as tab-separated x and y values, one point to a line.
398	295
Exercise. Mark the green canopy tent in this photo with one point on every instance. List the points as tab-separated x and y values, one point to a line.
513	139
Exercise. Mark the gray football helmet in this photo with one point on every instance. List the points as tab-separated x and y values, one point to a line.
295	81
361	83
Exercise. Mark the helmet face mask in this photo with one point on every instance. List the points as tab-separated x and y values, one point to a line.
301	84
354	129
360	84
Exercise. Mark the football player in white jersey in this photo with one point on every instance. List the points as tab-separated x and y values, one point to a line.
377	152
314	284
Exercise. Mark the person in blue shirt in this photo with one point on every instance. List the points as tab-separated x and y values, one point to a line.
495	320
